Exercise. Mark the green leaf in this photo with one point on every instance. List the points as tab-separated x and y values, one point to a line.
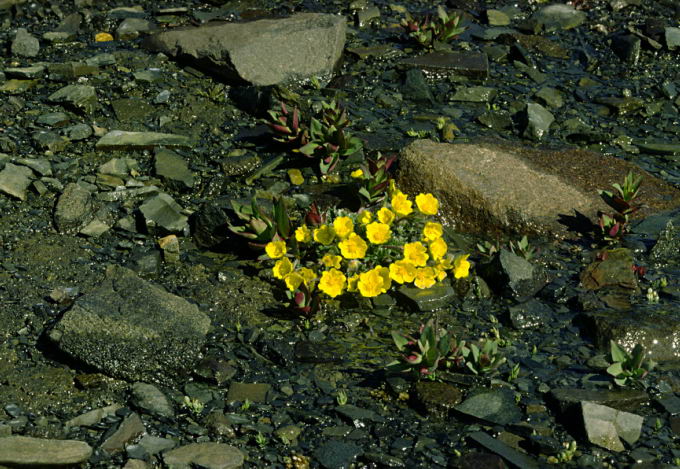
618	354
281	218
615	369
308	149
400	340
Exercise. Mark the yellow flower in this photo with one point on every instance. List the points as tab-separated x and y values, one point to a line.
282	267
378	233
352	283
353	247
438	249
332	282
365	217
432	230
402	271
427	204
401	205
461	266
330	260
386	216
343	226
439	272
303	234
373	282
324	235
276	249
357	173
103	37
295	176
308	276
415	253
385	274
293	280
425	277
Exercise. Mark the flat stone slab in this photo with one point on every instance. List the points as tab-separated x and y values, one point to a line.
569	399
492	187
123	140
208	455
23	451
263	52
470	64
14	180
131	329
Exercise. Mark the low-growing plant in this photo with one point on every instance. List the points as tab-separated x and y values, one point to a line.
194	405
514	372
522	248
261	226
431	31
485	360
423	353
366	252
629	368
374	178
565	455
614	225
341	397
323	136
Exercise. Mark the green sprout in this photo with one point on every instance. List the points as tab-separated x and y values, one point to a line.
522	248
194	405
614	225
341	397
246	405
261	440
485	360
629	368
514	372
566	455
431	32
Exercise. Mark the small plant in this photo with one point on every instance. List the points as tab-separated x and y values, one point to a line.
614	225
375	179
485	360
261	440
424	353
514	372
286	127
522	248
629	368
246	405
430	32
488	249
341	397
422	133
261	226
566	455
325	136
194	405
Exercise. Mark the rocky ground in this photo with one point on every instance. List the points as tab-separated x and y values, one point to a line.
136	331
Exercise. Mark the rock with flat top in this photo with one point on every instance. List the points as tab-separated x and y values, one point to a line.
263	52
492	187
23	451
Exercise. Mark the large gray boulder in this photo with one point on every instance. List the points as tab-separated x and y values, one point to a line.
130	329
263	52
490	187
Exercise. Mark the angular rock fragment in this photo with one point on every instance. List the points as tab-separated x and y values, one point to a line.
74	209
14	180
205	455
82	97
131	329
263	52
606	427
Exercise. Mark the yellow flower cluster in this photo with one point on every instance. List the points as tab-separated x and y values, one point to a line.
368	251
